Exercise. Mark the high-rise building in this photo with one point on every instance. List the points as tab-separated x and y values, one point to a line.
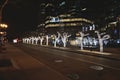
99	12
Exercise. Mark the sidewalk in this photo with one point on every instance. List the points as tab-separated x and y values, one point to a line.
110	53
25	67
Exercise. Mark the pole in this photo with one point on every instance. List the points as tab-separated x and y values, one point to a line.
1	9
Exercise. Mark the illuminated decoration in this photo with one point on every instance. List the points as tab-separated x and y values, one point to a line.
72	10
24	40
95	42
83	29
32	39
62	3
56	38
41	38
59	38
90	42
36	40
80	39
84	9
84	40
49	4
93	27
29	40
101	39
118	41
64	38
86	28
90	28
87	41
47	38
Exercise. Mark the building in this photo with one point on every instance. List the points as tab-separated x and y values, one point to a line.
68	23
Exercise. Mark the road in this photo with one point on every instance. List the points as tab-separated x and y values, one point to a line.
73	65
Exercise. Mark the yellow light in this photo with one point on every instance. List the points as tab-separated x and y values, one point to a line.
77	34
1	32
3	25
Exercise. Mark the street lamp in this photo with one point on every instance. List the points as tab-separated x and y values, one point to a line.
1	9
2	33
2	26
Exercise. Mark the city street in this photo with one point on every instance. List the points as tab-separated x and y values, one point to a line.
16	64
73	65
59	40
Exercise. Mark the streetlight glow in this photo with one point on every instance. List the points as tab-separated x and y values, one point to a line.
3	25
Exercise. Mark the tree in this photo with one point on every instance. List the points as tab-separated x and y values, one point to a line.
81	39
64	38
56	38
41	38
101	39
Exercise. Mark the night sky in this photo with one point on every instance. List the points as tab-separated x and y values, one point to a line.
21	16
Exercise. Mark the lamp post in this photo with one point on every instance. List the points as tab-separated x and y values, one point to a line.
2	26
1	9
2	33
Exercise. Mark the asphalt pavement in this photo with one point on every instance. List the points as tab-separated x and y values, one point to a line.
110	53
17	65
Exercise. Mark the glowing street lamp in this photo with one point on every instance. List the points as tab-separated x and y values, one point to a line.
2	33
3	26
1	9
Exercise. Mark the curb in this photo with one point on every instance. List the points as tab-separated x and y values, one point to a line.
90	53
